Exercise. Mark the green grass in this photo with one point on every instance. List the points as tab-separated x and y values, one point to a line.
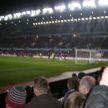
18	69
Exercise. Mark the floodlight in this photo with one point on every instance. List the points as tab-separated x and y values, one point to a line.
106	16
60	8
52	21
103	2
79	19
23	13
82	19
47	10
1	18
98	17
89	4
41	22
75	19
90	18
72	19
27	12
94	18
33	24
74	6
69	20
56	21
8	17
65	20
38	11
59	21
17	15
33	13
102	17
86	18
62	21
49	22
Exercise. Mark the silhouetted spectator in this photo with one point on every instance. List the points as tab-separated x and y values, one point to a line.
81	75
72	85
42	98
98	97
75	100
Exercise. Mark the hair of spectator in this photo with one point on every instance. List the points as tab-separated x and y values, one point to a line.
88	81
41	84
75	100
73	83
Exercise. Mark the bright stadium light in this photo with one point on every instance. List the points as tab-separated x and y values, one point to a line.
90	18
8	17
103	2
106	16
89	4
17	15
53	22
37	12
47	10
75	19
69	20
94	18
33	13
102	17
86	18
74	6
72	20
98	17
34	24
1	18
82	19
60	8
62	21
79	19
27	12
23	13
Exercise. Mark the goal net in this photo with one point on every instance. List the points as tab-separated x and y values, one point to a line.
88	55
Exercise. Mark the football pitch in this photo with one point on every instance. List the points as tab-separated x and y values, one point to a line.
15	70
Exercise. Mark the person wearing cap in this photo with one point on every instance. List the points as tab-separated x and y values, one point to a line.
16	97
98	97
42	98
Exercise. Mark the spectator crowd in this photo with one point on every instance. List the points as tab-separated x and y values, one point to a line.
83	91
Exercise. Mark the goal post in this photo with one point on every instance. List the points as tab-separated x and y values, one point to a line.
89	55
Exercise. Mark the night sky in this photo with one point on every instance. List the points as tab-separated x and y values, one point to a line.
10	6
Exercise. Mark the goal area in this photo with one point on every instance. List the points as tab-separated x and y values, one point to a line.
88	55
